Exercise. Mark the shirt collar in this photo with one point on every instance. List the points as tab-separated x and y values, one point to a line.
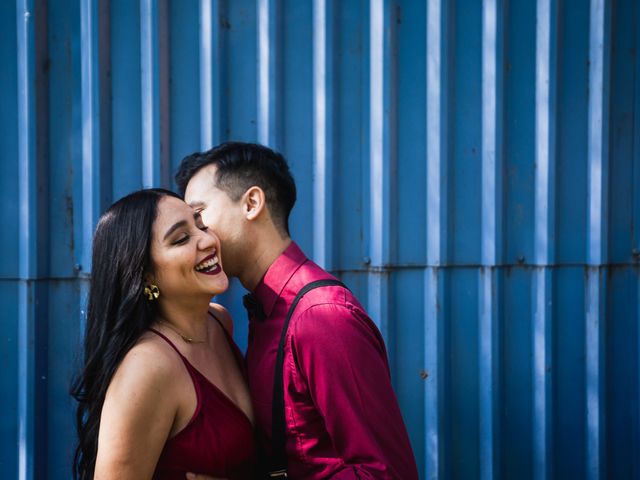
278	275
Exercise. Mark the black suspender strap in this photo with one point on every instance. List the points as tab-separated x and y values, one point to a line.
278	467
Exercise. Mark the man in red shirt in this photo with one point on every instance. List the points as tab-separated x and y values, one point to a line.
341	416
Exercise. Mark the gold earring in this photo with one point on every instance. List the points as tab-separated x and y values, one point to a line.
152	292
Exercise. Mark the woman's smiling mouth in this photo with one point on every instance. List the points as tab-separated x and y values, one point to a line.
210	265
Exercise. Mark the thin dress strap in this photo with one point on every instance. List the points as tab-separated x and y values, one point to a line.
187	364
234	347
219	323
164	337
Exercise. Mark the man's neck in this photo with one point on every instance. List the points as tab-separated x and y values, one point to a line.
266	252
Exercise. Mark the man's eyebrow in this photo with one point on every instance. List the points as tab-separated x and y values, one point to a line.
174	227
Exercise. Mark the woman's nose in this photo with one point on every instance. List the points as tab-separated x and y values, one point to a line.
207	240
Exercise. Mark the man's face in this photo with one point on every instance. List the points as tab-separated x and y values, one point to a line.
221	214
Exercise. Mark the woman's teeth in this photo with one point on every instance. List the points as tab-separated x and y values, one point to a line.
207	265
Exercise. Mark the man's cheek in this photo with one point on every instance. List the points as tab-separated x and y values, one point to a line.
208	220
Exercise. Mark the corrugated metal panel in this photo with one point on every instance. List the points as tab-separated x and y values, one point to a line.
471	169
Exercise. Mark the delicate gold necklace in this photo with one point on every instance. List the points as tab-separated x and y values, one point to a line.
184	337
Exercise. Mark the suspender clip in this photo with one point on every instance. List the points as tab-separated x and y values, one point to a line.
278	474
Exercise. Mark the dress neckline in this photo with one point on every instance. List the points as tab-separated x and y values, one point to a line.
191	367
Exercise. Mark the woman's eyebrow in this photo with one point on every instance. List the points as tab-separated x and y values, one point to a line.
174	227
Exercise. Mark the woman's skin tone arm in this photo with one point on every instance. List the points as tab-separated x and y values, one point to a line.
139	411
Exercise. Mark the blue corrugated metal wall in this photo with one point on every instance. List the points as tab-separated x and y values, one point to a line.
470	168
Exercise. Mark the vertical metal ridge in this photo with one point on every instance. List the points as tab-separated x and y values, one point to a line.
636	461
597	141
381	125
210	74
379	138
488	362
164	110
436	157
268	78
635	201
436	132
635	247
323	137
542	381
27	247
597	233
594	371
543	238
26	382
150	93
90	93
434	386
26	138
491	212
490	118
543	115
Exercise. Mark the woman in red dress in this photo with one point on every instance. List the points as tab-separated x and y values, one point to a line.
162	391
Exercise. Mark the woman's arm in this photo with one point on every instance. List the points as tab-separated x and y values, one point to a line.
137	416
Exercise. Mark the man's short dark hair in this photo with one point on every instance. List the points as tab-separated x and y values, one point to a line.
241	166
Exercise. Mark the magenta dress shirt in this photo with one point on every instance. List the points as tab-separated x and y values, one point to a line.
342	416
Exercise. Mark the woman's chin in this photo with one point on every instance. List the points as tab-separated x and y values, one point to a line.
221	286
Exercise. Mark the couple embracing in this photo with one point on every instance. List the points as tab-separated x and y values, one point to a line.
165	393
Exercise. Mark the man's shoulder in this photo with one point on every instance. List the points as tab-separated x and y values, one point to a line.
320	329
334	294
330	316
342	298
329	311
309	271
309	267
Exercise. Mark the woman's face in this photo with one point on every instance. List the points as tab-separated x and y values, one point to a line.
185	254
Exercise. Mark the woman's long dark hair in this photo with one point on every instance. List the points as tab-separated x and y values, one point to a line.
117	311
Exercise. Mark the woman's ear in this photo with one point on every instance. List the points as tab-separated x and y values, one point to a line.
253	202
149	279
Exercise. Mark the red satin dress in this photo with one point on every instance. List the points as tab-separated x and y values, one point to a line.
218	440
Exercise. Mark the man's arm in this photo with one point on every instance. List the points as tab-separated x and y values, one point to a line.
341	354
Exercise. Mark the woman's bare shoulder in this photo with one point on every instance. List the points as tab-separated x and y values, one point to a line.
223	315
139	410
150	363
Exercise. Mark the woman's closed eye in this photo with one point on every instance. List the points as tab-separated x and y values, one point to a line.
185	238
182	240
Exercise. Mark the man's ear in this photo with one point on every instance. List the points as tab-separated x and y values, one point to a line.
253	202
